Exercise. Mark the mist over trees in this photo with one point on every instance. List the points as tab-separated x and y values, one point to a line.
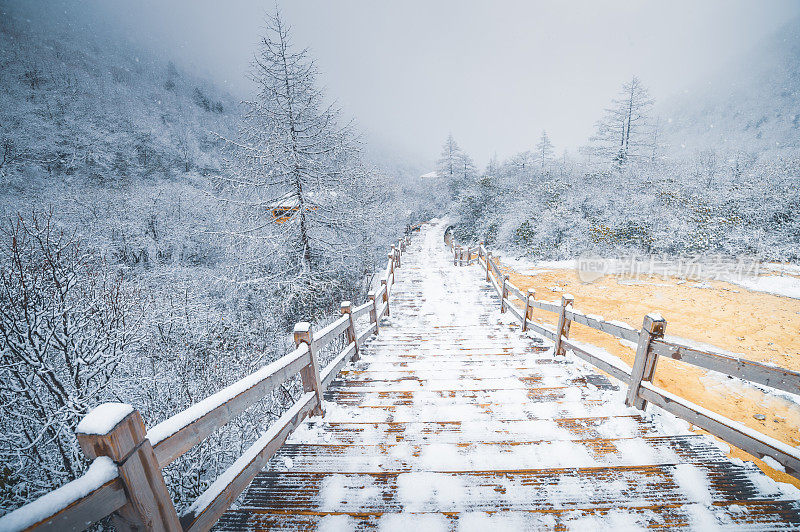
544	150
455	168
303	196
158	238
629	192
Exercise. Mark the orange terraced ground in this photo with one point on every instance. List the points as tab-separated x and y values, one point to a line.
759	326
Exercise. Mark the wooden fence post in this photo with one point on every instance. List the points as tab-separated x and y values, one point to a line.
118	432
309	374
488	264
528	309
644	365
347	308
563	324
503	294
385	296
373	311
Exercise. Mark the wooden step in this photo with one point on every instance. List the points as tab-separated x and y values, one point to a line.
497	431
559	450
449	411
486	491
752	516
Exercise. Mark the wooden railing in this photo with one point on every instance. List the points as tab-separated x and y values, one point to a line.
651	343
124	479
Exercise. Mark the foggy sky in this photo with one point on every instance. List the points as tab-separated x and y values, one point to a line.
492	73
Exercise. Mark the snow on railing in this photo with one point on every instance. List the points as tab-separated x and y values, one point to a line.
650	344
125	480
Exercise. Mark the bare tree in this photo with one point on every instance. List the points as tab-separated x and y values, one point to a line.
623	132
455	167
296	175
544	150
65	323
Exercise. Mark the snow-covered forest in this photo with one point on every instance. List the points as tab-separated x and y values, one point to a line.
141	259
161	235
716	172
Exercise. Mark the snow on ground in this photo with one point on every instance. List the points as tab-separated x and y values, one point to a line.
533	267
791	269
779	285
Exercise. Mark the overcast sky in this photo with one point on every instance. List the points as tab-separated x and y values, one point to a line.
492	73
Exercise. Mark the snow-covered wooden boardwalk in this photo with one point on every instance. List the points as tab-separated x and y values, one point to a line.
453	420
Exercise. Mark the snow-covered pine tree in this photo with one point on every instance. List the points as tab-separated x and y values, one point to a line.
447	165
544	150
455	167
299	182
623	133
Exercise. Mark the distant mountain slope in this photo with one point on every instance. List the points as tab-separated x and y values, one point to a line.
77	107
752	105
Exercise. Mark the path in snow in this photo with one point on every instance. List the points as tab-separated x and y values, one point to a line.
452	420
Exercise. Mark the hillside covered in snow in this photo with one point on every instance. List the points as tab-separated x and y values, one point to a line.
752	104
711	171
133	213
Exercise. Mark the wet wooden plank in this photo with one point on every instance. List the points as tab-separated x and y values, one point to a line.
752	516
551	450
574	488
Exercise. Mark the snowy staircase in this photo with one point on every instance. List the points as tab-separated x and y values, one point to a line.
452	420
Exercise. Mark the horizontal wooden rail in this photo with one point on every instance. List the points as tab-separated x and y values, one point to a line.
332	369
729	364
619	330
549	306
600	359
513	309
542	329
176	435
514	290
214	501
124	477
741	436
361	310
87	499
325	335
496	286
372	329
651	343
495	267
